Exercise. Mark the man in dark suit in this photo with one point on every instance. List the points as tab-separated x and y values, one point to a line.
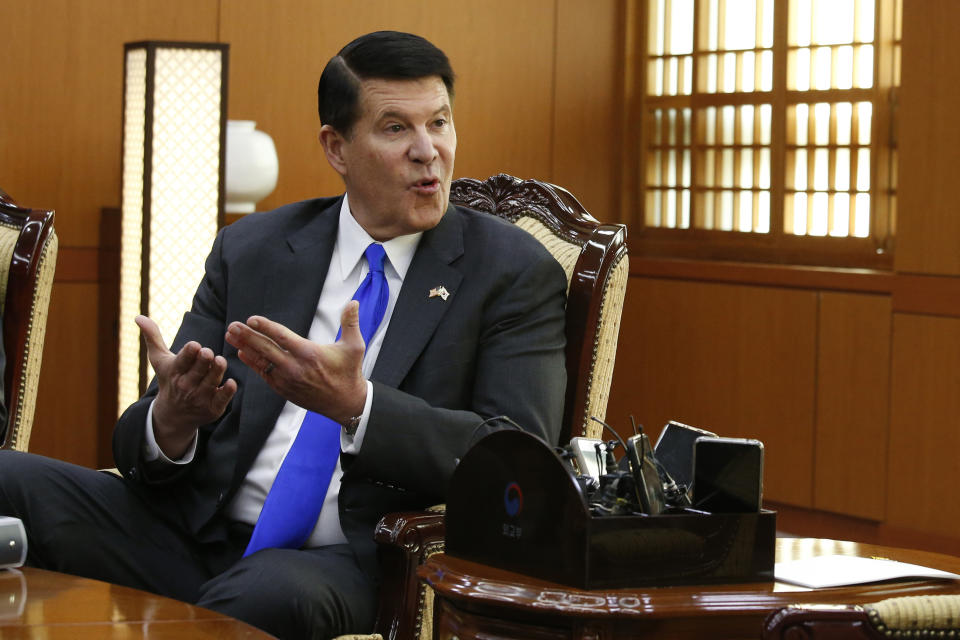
472	331
3	403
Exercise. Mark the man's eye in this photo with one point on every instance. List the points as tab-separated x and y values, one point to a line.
395	128
439	123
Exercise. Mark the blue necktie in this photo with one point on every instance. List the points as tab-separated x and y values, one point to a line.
293	505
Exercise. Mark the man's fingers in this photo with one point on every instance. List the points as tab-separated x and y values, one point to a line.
243	336
283	337
256	361
160	355
264	345
192	358
350	324
151	334
214	373
223	395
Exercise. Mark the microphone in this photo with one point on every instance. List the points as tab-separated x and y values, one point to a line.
13	543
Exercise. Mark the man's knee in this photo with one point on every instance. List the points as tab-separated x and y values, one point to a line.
290	599
25	476
16	472
12	463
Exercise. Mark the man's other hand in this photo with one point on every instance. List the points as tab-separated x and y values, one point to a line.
190	389
326	379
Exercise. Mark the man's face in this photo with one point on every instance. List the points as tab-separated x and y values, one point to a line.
397	162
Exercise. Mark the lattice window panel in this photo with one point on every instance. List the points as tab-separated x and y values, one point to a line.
750	131
173	120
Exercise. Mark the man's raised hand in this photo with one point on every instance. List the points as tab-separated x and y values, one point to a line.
190	389
326	378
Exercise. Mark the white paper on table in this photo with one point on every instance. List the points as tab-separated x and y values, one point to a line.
837	571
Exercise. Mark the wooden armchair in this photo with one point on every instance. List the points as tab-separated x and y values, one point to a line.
932	616
594	256
28	256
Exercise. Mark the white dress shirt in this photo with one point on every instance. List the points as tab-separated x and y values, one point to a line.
347	269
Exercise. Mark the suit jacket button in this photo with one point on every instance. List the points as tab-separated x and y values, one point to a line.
220	499
132	473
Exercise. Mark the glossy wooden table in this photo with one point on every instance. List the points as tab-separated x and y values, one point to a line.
474	601
37	604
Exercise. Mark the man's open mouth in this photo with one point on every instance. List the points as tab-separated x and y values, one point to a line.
427	185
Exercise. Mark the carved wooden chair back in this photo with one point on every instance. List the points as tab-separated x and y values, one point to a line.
28	257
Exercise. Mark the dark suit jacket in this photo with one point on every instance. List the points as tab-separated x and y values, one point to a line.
3	404
495	347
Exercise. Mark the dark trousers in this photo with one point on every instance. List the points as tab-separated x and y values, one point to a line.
90	523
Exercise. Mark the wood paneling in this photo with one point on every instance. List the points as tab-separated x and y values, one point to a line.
60	117
737	360
929	220
923	463
66	421
60	137
925	372
853	383
815	523
794	276
932	295
586	138
78	264
502	51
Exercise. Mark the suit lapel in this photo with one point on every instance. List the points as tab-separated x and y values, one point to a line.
416	314
291	280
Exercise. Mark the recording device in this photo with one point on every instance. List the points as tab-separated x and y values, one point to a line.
634	484
608	488
674	451
698	469
646	477
588	454
727	475
13	543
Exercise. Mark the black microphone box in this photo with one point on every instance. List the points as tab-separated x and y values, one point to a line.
515	504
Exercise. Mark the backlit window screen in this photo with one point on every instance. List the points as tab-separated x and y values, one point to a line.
745	133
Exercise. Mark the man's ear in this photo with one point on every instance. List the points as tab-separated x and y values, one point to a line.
333	146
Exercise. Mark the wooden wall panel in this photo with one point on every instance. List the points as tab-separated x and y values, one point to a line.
60	118
923	463
737	360
60	141
502	52
66	421
60	138
928	227
587	98
853	383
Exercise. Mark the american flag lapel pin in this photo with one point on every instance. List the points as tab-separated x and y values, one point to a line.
440	292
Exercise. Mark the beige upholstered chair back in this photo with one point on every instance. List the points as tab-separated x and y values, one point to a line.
28	257
594	257
604	349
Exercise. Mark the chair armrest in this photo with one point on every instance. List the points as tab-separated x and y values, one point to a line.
405	541
812	622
